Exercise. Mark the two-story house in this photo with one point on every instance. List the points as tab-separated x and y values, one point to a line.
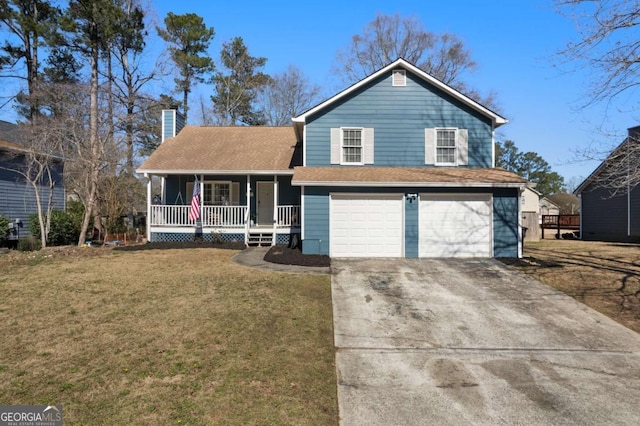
397	165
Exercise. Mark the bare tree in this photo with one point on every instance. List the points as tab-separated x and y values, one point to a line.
288	94
620	170
607	43
40	165
388	38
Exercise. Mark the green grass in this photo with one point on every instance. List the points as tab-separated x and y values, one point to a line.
167	337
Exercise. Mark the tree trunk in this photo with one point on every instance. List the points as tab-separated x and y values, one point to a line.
94	142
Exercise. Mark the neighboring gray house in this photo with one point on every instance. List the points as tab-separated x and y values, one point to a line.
611	212
17	199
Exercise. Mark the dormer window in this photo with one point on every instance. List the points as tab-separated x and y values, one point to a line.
399	77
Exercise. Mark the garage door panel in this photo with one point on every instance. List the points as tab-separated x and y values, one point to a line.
455	225
366	225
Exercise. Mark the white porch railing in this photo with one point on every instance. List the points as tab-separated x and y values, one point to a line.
162	215
219	216
223	216
288	217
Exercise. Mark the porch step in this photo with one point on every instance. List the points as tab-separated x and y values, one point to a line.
260	238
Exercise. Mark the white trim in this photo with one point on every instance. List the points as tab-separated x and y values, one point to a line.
409	184
455	147
496	119
275	209
493	147
304	146
148	206
215	172
202	182
520	239
302	216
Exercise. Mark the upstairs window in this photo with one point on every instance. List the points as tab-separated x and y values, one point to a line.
352	146
446	147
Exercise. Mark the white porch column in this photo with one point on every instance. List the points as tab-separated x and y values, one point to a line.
201	195
275	208
148	207
163	190
247	215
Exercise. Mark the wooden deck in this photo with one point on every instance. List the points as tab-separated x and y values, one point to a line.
560	222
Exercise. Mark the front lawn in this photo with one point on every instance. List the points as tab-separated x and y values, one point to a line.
604	276
176	336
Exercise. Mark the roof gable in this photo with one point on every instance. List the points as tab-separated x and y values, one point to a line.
495	118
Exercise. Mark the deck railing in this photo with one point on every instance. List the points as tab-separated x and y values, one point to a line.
288	217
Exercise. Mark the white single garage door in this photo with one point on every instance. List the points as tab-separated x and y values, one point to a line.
366	225
455	225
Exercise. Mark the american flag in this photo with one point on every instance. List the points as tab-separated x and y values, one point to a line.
194	211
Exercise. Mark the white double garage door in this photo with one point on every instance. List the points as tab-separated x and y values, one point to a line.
373	225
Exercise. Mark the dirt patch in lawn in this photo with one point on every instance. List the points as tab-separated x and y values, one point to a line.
604	276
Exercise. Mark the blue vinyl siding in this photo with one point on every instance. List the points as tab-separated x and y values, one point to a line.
168	120
316	221
399	116
505	223
411	227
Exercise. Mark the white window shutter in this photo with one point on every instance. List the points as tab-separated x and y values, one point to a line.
336	139
235	193
463	147
430	146
367	149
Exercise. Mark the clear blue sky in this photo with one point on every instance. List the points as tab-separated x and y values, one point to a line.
513	42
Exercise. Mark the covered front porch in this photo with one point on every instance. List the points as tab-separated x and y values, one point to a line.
261	209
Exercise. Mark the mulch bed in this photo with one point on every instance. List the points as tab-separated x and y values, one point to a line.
293	256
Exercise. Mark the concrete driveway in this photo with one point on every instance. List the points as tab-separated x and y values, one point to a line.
450	342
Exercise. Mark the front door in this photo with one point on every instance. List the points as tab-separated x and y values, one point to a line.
265	203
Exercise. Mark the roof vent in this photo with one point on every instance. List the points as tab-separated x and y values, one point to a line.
399	78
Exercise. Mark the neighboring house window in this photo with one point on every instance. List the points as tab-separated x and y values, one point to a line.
352	146
445	146
399	78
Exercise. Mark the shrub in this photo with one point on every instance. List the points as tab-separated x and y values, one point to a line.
64	229
29	244
4	228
